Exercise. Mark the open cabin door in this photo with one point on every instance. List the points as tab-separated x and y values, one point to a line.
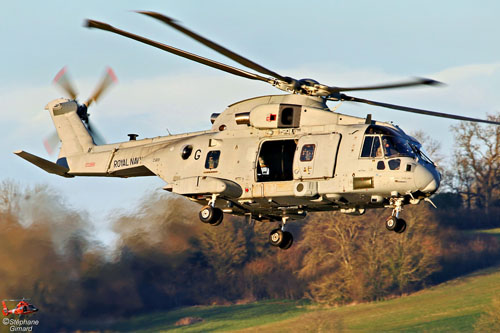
316	156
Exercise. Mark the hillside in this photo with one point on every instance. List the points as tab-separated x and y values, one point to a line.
452	306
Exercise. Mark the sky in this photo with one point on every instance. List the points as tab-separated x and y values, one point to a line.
336	42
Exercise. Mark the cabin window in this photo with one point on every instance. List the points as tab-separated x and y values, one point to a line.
186	152
212	160
394	164
371	147
307	153
380	165
275	161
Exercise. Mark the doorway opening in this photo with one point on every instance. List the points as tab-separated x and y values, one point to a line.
275	162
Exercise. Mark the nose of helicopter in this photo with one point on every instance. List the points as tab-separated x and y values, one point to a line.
427	178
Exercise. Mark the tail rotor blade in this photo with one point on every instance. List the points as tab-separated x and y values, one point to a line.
64	82
50	143
96	135
108	79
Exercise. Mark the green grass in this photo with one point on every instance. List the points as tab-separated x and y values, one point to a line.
216	318
450	307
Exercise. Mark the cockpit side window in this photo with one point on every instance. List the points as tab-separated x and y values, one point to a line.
376	149
396	146
371	147
367	146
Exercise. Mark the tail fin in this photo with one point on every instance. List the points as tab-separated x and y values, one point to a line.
5	311
72	132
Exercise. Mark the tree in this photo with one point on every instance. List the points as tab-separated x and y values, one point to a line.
430	145
224	247
477	163
355	259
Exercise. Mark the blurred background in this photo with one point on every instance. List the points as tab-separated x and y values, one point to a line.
89	248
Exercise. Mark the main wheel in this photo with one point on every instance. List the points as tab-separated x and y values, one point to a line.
287	240
206	214
276	237
218	216
391	223
400	226
209	214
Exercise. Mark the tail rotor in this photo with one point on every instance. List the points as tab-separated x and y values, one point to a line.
65	83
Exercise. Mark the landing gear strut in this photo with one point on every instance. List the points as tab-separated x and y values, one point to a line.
394	223
281	238
211	214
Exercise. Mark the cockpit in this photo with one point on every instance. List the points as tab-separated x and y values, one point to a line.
382	141
390	146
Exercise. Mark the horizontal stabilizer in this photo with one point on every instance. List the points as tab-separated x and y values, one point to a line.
48	166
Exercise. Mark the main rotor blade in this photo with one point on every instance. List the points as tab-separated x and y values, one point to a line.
214	46
108	79
344	97
64	82
415	82
179	52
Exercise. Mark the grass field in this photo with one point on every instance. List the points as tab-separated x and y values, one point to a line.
450	307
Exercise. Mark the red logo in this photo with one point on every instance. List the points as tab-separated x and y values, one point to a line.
271	117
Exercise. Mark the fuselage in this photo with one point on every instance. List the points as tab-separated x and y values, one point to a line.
273	156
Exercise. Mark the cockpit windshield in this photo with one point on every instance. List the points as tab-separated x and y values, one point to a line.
396	146
419	152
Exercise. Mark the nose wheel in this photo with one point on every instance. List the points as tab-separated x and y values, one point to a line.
394	223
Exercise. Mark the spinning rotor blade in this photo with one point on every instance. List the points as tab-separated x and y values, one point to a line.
344	97
96	135
179	52
50	143
64	82
415	82
214	46
108	79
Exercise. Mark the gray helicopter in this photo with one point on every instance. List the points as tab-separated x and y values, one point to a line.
269	158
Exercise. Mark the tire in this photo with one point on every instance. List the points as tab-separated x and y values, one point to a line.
400	226
287	240
276	237
206	214
218	215
391	223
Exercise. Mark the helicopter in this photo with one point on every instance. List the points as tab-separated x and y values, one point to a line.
271	158
22	308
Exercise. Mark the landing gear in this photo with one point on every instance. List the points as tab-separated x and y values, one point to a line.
400	226
281	238
390	223
394	223
211	215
